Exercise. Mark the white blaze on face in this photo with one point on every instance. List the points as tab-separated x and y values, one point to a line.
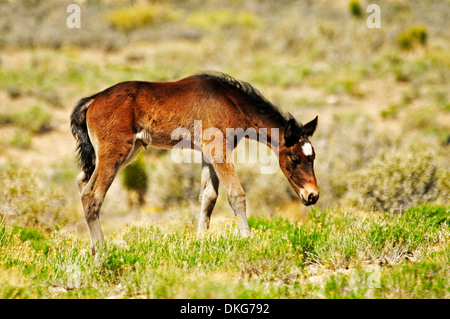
307	149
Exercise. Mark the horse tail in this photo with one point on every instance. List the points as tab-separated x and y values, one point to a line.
78	126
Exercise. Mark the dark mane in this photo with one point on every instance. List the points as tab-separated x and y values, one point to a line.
253	97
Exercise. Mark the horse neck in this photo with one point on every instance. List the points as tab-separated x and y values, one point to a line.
269	129
267	122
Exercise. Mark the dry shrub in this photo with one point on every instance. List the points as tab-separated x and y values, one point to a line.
421	119
348	144
398	181
28	201
173	184
360	163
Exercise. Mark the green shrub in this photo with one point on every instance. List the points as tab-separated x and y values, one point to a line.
348	85
355	8
401	75
135	179
398	182
21	140
442	100
413	37
140	16
391	111
13	284
222	18
14	91
34	119
443	134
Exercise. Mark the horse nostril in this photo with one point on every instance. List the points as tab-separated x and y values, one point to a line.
312	198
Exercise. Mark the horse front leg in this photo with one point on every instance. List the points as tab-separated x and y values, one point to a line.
235	193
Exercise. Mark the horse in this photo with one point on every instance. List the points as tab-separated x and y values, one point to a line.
112	126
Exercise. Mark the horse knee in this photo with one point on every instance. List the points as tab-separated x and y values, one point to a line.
237	199
209	193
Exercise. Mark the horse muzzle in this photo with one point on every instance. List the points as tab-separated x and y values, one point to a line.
309	196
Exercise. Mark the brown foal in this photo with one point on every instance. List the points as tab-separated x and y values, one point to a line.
111	127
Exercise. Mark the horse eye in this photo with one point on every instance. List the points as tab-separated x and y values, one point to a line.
294	160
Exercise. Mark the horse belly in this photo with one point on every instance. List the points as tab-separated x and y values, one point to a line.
154	138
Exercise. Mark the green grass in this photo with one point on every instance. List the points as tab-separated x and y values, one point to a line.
333	254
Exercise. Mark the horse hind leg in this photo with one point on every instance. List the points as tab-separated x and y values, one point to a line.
94	192
82	180
208	195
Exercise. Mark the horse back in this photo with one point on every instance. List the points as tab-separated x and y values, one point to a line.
156	109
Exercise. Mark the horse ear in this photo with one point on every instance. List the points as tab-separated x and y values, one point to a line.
292	132
310	127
